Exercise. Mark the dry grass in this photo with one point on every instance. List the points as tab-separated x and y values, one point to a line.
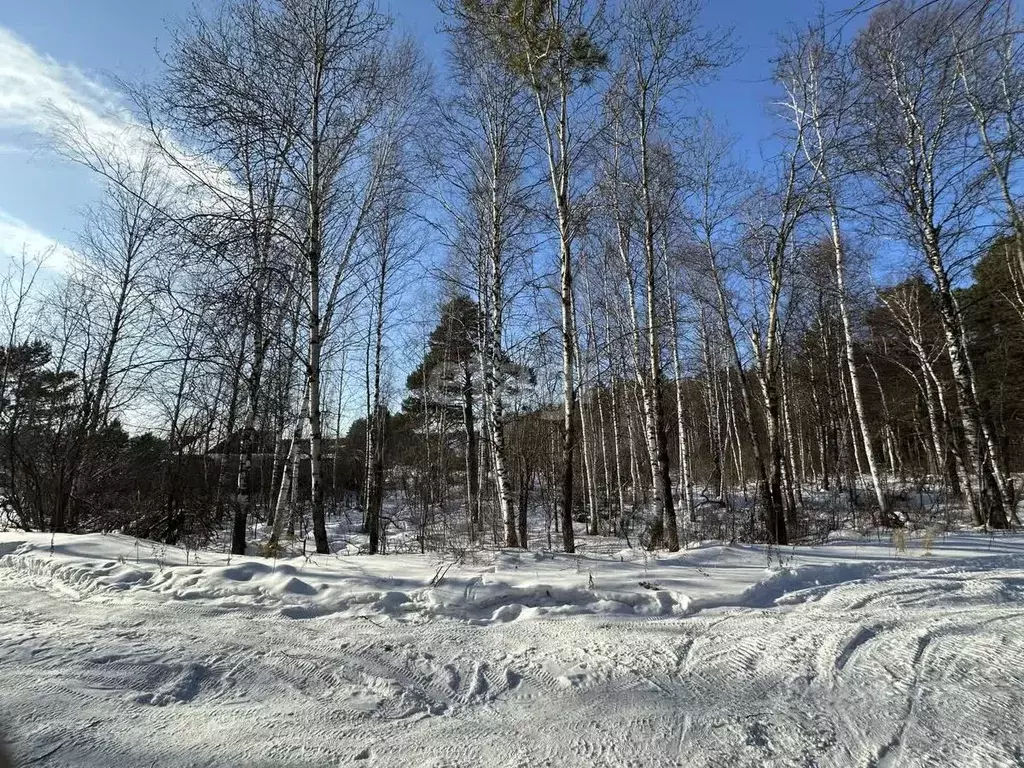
928	540
899	540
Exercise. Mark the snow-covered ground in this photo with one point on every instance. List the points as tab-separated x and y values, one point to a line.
115	652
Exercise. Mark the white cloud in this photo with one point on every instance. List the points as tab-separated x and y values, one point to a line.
41	98
33	88
33	85
18	238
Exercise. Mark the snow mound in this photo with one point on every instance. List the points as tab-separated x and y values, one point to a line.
117	653
513	586
96	565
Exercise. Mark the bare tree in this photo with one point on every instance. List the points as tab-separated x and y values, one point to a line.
817	77
334	47
217	94
989	65
486	136
557	53
110	301
920	127
663	52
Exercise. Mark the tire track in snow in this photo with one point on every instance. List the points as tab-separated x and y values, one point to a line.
802	684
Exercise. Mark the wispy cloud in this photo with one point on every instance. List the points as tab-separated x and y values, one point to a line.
42	100
33	86
18	238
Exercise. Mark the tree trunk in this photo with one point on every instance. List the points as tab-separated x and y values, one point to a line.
568	392
685	484
283	508
993	508
851	365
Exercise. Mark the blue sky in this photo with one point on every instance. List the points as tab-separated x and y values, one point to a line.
66	52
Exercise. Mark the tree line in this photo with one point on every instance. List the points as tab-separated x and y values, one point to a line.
638	329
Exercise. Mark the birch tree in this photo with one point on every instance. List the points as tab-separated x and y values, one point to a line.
487	134
919	145
663	52
553	45
335	47
820	95
222	93
991	73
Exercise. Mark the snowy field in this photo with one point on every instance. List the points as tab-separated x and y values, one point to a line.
115	652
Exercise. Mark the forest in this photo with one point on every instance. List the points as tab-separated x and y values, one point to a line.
631	329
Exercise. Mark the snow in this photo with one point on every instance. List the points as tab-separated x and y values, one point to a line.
118	652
